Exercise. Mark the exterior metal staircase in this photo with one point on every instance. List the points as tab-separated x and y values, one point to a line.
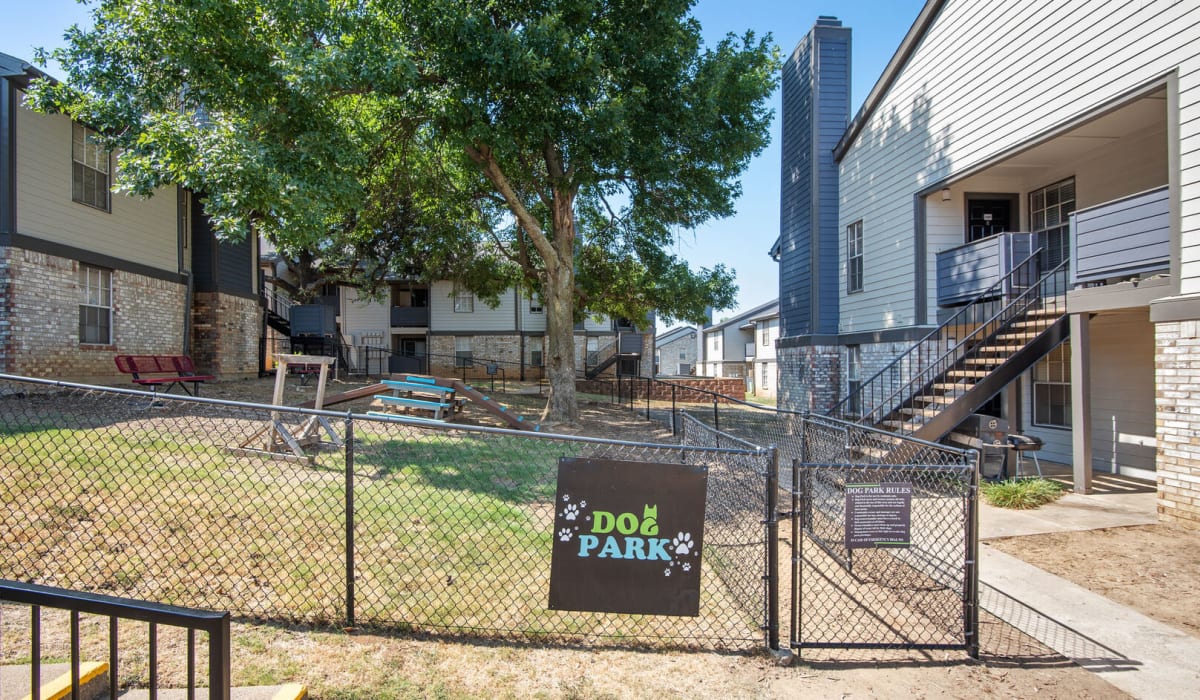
276	306
624	346
951	373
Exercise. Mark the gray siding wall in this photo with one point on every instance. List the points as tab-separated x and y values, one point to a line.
932	123
816	109
220	266
1124	237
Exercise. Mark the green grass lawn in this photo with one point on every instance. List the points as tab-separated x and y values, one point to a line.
452	529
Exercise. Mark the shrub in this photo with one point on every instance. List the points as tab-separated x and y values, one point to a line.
1022	494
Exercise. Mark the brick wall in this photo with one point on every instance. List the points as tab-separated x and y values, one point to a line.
661	391
225	332
6	295
809	377
1177	403
40	308
814	377
507	350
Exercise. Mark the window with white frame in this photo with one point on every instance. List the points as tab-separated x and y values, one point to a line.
535	304
1050	211
462	351
764	333
464	301
95	305
853	377
854	257
1052	389
89	169
535	351
762	384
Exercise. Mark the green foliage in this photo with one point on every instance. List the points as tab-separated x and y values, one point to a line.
340	132
1021	494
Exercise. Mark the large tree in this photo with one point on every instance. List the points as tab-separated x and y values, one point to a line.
557	144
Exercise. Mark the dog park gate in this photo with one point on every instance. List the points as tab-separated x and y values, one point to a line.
900	575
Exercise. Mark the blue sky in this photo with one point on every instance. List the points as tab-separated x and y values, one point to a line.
741	241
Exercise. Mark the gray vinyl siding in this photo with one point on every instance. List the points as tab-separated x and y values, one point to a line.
220	266
364	315
816	109
933	121
143	231
1123	402
483	319
795	188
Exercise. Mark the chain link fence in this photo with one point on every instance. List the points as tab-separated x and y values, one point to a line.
919	594
387	522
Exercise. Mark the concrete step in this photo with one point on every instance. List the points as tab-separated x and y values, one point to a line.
93	676
55	681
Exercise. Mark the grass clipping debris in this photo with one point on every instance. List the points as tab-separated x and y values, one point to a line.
1022	494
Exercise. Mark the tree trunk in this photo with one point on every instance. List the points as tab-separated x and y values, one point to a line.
559	289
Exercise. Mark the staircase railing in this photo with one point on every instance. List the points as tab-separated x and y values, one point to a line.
277	302
216	624
1005	302
596	361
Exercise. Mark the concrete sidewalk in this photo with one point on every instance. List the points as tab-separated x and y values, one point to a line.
1140	656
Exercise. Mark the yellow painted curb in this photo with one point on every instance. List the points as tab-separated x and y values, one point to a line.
60	687
291	691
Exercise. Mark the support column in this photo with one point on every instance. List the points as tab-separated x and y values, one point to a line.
1081	402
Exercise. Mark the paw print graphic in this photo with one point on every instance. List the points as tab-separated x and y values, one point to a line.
687	566
566	498
571	512
683	543
583	504
667	571
564	535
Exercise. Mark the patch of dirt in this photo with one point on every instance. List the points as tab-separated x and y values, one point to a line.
1154	569
371	663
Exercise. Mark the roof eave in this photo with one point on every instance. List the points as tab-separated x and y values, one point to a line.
899	59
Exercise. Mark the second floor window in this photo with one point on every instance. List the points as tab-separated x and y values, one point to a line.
89	169
854	257
535	304
464	301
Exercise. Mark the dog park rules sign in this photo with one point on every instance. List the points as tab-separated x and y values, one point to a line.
627	537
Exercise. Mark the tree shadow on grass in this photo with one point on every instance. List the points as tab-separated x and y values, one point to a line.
502	467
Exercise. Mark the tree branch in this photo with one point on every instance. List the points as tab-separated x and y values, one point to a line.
483	157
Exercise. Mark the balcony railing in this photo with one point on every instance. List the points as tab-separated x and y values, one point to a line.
966	271
410	316
1124	237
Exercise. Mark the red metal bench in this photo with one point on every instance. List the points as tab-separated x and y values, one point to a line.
176	369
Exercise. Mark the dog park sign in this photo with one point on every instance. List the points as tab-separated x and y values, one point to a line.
628	537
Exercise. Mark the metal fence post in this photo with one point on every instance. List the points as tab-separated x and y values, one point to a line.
674	413
772	523
795	583
971	575
219	651
349	520
647	398
716	415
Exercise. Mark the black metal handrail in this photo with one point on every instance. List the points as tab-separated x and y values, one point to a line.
1024	291
215	623
855	407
